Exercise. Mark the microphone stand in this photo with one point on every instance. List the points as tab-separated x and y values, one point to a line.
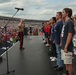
5	27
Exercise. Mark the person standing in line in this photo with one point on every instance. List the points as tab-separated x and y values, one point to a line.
53	48
57	32
66	40
74	44
47	34
43	32
45	26
20	33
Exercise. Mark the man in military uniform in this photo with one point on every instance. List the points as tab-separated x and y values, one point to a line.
20	33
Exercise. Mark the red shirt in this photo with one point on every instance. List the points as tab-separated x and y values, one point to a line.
46	29
49	29
6	37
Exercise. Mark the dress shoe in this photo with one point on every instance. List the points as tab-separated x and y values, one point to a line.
45	43
58	69
55	66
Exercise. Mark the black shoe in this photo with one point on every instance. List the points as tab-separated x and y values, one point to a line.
58	69
67	73
45	43
42	39
55	66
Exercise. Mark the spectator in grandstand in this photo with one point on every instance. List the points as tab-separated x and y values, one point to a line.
57	32
20	29
35	31
25	30
14	36
66	40
30	31
74	44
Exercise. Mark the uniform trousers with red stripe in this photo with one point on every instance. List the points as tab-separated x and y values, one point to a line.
21	39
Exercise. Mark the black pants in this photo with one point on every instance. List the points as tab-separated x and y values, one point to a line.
53	49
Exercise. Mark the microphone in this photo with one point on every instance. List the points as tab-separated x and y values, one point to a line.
19	9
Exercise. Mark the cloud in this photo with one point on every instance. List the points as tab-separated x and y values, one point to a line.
35	9
72	5
4	1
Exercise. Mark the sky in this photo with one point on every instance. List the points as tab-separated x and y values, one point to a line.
35	9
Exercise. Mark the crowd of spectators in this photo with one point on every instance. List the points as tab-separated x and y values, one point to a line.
11	34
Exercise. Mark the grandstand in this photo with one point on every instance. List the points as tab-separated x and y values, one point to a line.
15	21
12	28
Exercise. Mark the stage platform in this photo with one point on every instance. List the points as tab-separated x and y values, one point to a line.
33	60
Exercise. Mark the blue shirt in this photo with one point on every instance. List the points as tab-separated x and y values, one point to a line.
57	31
52	33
